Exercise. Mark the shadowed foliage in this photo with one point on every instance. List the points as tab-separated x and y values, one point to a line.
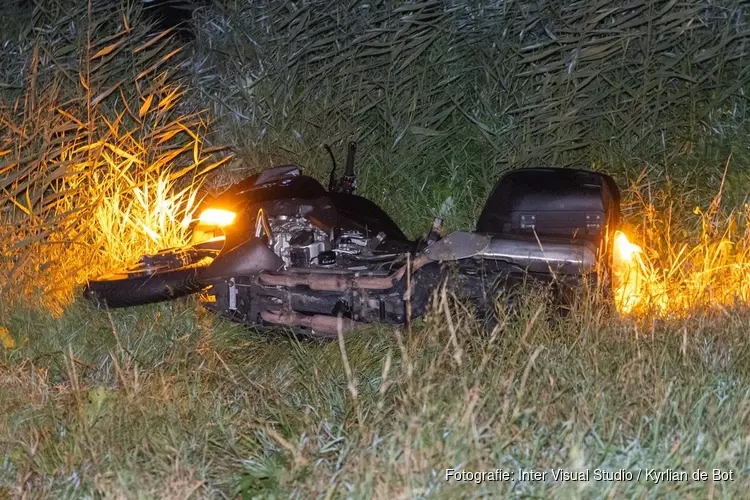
445	95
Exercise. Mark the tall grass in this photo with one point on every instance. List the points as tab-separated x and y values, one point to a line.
444	96
675	271
101	161
167	402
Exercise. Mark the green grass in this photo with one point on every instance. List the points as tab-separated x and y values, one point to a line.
169	401
166	400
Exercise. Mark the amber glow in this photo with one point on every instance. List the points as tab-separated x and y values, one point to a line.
635	285
626	251
217	217
713	273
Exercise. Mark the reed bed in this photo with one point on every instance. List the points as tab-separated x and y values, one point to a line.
101	161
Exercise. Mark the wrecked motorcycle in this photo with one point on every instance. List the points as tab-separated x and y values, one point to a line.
279	249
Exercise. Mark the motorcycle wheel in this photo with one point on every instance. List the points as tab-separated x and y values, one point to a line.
144	283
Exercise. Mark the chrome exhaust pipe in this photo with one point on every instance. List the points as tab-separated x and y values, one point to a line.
554	256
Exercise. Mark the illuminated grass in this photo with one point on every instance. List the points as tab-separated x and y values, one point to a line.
101	161
674	271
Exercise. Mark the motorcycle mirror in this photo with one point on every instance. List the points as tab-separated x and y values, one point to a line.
350	159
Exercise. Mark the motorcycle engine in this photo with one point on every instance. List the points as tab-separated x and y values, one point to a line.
299	243
296	241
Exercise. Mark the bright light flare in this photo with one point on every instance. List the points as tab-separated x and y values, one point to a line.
636	286
625	250
217	217
627	273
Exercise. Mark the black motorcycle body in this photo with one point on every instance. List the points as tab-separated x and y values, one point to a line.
324	261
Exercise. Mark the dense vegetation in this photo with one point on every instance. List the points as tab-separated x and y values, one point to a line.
109	133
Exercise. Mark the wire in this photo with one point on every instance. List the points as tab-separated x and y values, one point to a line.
332	177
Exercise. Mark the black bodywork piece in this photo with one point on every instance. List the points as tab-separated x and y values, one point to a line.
552	202
324	261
